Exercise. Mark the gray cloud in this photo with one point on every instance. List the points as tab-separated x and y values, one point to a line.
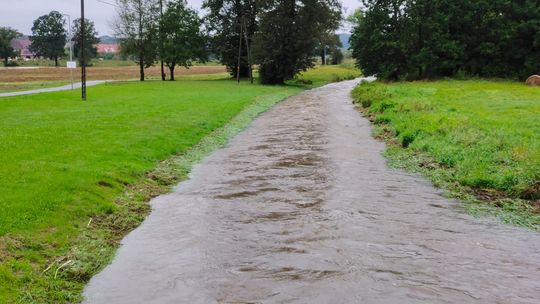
20	14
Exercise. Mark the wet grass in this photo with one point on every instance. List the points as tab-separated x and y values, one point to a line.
478	139
75	177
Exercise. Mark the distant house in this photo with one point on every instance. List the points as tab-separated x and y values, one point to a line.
22	48
108	48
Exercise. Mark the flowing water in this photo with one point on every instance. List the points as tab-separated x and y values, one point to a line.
302	208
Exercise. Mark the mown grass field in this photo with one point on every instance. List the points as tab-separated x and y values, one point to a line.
76	176
478	138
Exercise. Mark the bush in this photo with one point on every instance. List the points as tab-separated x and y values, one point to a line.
12	63
407	139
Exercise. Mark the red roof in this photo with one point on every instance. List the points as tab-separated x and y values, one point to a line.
19	44
104	48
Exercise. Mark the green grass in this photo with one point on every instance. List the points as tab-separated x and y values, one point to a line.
479	139
6	87
329	73
75	176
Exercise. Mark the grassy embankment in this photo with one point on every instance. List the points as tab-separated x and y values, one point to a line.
478	139
76	176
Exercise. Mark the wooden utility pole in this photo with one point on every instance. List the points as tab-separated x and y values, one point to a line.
161	40
244	25
239	50
83	59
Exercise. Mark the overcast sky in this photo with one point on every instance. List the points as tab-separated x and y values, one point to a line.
20	14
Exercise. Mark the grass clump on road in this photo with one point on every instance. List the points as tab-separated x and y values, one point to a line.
477	138
75	176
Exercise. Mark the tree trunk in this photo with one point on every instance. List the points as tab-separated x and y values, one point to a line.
141	68
323	59
56	61
5	61
171	68
163	74
141	41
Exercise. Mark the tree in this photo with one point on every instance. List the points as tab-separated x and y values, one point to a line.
137	28
224	22
49	36
289	31
331	42
90	40
337	56
379	41
415	39
183	41
7	34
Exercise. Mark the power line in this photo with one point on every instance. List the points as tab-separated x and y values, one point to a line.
108	3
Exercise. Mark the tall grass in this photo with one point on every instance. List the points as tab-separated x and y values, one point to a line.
483	134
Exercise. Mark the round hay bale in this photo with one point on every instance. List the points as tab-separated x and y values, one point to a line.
533	81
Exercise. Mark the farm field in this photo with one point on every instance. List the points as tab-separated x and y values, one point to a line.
478	139
17	76
76	176
6	87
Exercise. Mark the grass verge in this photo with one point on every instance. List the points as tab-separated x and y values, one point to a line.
78	176
477	139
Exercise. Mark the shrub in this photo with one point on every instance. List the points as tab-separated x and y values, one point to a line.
407	139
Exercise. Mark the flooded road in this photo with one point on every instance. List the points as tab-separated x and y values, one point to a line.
301	208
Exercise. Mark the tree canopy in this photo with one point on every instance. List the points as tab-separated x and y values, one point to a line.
224	21
288	34
49	36
183	41
136	26
7	34
329	44
414	39
90	40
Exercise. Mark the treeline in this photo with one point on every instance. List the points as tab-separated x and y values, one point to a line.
49	37
418	39
280	36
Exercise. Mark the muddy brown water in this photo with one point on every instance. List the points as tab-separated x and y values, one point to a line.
302	208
